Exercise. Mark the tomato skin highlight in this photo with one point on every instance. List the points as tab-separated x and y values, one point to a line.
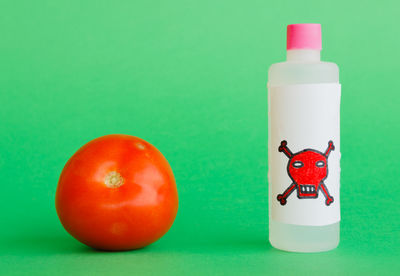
117	192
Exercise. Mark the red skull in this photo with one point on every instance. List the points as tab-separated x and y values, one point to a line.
308	169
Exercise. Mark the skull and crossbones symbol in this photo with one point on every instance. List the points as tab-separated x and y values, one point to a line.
308	169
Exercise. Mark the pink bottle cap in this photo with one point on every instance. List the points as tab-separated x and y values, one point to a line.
304	36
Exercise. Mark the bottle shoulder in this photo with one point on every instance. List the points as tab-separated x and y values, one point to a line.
285	65
302	72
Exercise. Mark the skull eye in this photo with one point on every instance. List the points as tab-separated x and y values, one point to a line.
297	164
320	164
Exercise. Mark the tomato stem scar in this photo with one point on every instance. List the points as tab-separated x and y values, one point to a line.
113	180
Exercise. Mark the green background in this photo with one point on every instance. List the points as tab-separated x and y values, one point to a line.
190	77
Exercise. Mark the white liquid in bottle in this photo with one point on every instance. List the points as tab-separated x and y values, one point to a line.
300	232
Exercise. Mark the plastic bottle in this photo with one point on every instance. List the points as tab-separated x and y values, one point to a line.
303	118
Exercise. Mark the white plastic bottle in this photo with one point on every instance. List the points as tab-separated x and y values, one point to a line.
304	146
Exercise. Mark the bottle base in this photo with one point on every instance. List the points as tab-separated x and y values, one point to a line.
306	239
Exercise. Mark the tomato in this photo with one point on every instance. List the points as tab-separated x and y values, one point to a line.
117	192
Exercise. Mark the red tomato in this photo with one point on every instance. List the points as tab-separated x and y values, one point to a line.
117	192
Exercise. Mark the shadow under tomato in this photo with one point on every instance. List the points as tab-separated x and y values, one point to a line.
47	244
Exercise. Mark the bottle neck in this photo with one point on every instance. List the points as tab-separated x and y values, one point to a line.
303	55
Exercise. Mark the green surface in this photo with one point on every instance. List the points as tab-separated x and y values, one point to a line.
190	77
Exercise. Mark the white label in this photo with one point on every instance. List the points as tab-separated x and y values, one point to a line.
304	153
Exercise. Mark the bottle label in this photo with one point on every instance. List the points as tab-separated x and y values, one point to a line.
304	153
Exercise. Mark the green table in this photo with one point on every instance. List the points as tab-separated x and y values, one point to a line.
190	77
